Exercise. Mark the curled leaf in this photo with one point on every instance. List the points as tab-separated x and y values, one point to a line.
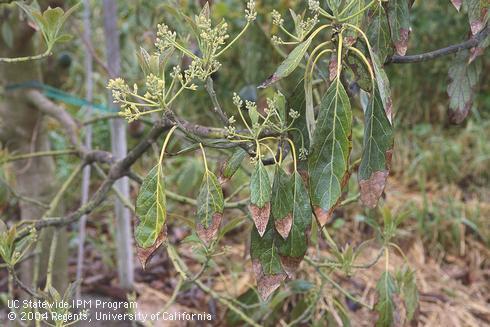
231	165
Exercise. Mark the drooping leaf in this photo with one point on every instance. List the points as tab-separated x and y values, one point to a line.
399	20
260	197
282	202
293	248
477	14
383	85
464	78
231	165
289	64
280	101
376	153
408	289
296	100
329	153
266	261
151	208
385	305
355	7
378	33
210	205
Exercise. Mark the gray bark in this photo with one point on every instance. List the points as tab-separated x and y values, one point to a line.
119	149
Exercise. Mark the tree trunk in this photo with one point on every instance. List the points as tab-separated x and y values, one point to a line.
22	130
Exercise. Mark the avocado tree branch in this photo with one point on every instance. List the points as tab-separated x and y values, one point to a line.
471	43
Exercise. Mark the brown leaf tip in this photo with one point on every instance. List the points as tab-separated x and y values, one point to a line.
260	216
210	233
290	265
372	188
266	284
145	254
402	44
268	82
284	225
322	216
459	115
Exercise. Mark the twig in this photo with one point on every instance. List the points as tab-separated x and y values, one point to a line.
471	43
39	154
180	266
337	286
217	107
22	197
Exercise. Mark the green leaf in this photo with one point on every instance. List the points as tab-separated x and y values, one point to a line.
359	71
376	153
63	38
280	101
463	78
210	205
260	197
383	85
7	34
385	305
266	261
355	6
378	33
282	202
293	249
289	64
399	20
52	18
329	153
408	289
151	211
231	165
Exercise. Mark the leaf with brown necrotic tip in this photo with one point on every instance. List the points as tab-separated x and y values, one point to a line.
151	209
464	77
231	165
293	248
210	206
330	151
266	261
282	201
399	20
260	197
376	153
